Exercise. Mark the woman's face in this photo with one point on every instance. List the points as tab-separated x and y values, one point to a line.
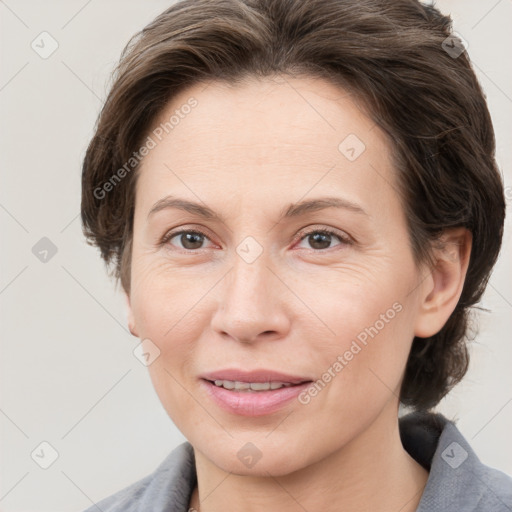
289	254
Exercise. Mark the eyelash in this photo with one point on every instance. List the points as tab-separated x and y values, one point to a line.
345	240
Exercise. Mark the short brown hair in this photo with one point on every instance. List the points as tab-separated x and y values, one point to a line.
393	56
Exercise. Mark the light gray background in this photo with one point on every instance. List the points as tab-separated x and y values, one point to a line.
68	374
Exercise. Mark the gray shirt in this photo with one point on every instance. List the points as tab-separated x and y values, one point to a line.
457	480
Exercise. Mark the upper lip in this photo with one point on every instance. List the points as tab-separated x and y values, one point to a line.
262	375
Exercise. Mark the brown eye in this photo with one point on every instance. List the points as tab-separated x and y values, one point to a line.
188	240
321	239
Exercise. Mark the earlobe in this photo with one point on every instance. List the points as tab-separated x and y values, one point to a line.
442	291
131	319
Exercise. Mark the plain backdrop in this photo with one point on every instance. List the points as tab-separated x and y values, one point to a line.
68	374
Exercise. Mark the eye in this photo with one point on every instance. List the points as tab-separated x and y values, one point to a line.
190	240
320	239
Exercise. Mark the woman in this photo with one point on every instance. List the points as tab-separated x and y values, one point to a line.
301	201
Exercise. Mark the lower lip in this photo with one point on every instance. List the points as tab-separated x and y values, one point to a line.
259	403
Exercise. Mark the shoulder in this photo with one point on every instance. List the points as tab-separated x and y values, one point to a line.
458	480
167	488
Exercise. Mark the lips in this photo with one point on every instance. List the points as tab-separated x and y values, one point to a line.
254	376
252	393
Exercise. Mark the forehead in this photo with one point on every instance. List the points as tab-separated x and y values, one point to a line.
250	138
256	111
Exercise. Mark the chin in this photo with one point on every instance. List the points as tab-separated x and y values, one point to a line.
258	458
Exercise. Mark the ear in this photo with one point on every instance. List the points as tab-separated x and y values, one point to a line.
442	289
131	319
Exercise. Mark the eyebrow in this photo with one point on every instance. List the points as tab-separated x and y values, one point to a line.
291	211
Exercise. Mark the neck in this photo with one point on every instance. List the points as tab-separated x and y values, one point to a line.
371	472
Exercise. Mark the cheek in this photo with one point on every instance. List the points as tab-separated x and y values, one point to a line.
367	332
165	311
164	299
167	316
355	304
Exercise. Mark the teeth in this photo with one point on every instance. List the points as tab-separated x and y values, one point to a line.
250	386
260	386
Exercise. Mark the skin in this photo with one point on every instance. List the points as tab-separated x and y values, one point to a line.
247	152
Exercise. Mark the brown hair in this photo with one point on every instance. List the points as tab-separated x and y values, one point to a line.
394	56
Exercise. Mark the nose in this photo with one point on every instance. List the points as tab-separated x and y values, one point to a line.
252	303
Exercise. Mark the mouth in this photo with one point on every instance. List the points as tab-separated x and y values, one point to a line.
250	387
254	393
261	376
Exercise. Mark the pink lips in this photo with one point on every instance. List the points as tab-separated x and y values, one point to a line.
254	376
257	403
